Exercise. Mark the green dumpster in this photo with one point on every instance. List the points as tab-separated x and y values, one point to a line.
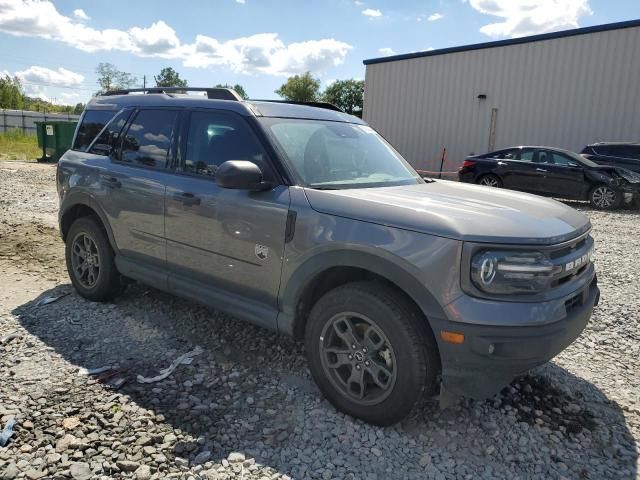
54	137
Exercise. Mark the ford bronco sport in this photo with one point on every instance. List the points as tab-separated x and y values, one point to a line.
302	219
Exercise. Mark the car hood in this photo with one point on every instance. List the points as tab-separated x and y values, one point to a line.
457	210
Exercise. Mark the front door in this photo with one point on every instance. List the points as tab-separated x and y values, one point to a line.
564	177
228	243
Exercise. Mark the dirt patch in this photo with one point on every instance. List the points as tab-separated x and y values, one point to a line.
33	247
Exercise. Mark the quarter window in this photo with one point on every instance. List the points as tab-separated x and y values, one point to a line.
148	138
93	121
215	138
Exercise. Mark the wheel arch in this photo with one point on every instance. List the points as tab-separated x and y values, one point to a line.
83	206
326	271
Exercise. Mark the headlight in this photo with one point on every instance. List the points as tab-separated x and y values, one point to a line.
507	272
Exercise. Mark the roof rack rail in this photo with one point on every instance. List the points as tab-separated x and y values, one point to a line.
212	93
325	105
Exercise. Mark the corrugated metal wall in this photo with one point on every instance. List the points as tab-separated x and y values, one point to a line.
563	92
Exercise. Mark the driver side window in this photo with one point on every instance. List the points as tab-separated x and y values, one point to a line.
215	137
562	160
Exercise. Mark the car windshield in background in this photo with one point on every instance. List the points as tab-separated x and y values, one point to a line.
581	159
336	155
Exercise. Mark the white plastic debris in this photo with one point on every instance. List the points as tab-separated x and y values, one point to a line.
50	299
94	371
7	431
8	338
184	359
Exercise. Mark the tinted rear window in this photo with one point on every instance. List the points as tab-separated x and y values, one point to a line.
625	151
93	121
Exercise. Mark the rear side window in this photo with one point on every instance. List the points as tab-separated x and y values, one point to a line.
147	141
93	121
108	139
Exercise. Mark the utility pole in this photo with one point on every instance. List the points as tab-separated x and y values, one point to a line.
144	81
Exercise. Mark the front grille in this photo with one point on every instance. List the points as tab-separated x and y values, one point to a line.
571	260
566	250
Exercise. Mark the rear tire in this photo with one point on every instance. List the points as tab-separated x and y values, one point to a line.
604	197
371	353
90	261
490	180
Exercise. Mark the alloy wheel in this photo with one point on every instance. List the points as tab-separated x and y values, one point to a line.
85	260
603	197
358	358
489	181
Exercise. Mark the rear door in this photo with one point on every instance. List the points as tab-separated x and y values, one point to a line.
135	183
225	245
519	171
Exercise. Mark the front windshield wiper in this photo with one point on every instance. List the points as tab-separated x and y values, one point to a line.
322	187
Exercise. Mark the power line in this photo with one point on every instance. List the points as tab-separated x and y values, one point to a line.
44	84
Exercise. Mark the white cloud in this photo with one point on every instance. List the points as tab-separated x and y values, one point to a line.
59	77
529	17
242	2
435	16
370	12
386	51
79	13
262	52
358	3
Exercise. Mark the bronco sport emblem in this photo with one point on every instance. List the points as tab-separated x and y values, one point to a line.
261	251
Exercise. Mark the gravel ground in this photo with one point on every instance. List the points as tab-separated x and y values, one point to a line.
247	408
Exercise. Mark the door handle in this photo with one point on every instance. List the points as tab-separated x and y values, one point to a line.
110	182
186	198
540	170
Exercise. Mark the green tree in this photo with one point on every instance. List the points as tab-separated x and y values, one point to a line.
11	95
300	88
78	109
346	94
168	77
237	87
110	78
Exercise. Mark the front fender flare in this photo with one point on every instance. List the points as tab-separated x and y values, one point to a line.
382	267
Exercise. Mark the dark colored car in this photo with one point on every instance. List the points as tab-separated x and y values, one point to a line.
625	155
553	172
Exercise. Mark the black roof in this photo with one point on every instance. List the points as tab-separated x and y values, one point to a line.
513	41
259	108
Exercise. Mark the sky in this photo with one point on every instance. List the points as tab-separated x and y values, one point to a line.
54	46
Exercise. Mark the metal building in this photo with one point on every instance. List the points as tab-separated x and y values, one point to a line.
564	89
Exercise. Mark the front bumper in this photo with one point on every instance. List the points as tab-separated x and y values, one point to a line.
492	356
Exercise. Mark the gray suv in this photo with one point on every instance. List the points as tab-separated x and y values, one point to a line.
303	220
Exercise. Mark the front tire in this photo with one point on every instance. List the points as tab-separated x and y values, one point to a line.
90	261
604	197
371	353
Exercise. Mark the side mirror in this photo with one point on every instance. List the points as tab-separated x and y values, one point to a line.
241	175
573	165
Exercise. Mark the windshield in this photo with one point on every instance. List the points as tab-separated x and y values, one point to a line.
336	155
581	159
